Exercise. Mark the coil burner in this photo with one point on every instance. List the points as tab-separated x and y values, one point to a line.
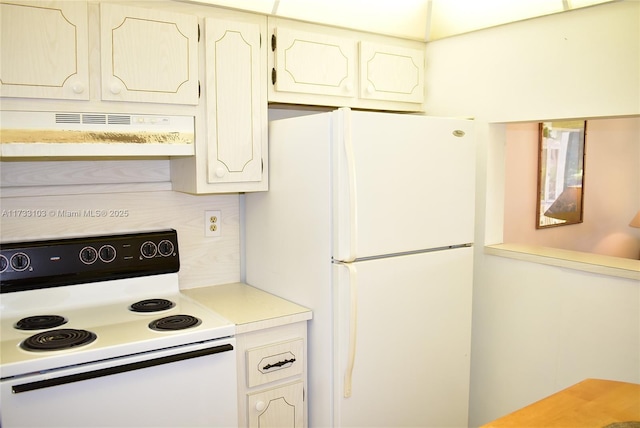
174	322
55	340
152	305
40	322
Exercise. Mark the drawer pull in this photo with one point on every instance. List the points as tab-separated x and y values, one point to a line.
275	361
278	364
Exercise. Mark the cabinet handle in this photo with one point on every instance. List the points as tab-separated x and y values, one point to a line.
77	88
279	364
219	172
115	88
260	406
370	89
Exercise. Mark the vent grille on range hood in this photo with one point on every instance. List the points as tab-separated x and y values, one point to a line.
64	127
94	118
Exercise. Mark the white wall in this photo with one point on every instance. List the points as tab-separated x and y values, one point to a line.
582	63
538	328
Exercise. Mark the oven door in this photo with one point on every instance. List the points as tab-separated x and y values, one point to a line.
186	386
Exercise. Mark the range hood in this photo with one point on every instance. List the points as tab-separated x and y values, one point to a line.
28	133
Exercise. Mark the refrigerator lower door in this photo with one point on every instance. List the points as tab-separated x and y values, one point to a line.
402	340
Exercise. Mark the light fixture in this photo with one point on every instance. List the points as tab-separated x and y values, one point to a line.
635	222
568	206
426	20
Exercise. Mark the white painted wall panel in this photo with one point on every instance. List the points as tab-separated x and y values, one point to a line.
582	63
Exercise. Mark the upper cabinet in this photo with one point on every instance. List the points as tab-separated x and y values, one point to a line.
44	50
391	73
317	65
231	152
234	111
313	63
148	55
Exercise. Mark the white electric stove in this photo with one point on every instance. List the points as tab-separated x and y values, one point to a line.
98	324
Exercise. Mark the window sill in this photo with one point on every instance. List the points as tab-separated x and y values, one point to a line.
595	263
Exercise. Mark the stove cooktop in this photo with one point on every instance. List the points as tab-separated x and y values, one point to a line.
119	331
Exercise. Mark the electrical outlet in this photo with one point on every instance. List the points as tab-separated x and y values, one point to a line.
212	222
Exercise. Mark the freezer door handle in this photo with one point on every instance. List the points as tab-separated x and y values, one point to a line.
47	383
351	176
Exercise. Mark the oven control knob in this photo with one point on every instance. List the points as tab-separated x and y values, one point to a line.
165	248
88	255
148	249
20	261
260	406
107	253
4	263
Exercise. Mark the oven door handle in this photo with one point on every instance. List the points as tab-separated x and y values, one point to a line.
32	386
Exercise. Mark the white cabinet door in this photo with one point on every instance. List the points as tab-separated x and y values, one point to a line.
43	50
148	55
234	110
280	407
318	65
314	63
391	73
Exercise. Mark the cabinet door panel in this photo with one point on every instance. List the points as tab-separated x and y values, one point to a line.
391	73
233	101
148	55
315	63
281	407
44	50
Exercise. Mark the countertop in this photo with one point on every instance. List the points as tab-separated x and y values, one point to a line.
590	403
248	307
588	262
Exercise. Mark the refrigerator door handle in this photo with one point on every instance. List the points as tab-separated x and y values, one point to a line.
351	177
353	327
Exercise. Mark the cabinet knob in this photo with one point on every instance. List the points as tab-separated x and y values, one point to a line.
348	87
220	172
370	89
115	88
260	406
77	88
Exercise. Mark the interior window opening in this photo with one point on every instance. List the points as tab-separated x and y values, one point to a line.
609	181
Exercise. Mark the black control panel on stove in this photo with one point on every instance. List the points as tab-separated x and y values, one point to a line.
57	262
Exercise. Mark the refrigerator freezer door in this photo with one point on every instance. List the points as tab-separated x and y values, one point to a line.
412	340
401	183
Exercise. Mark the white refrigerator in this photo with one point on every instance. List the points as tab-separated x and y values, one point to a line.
369	222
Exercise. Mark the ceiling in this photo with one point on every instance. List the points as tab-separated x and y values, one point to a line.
414	19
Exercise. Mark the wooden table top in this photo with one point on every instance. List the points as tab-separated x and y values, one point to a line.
590	403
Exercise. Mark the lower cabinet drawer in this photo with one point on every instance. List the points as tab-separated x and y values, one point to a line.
273	362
